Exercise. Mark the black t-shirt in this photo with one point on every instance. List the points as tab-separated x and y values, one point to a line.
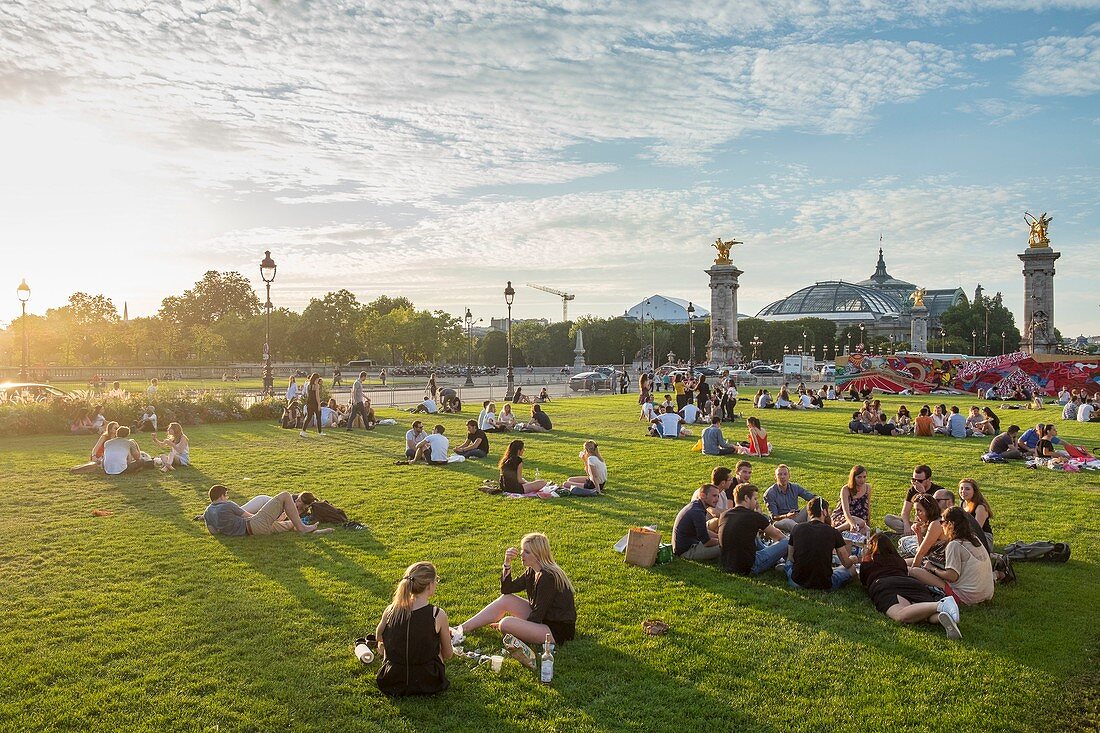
1044	448
912	493
813	544
996	423
479	433
509	476
884	428
542	419
737	530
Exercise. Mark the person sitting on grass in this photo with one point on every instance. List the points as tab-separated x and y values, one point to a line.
988	424
742	551
667	424
714	442
927	539
544	396
486	419
81	424
539	422
179	448
782	500
511	472
1045	447
595	470
147	423
121	454
413	438
856	424
810	552
854	510
415	637
691	413
920	483
550	608
476	444
427	405
665	405
724	479
691	538
506	420
648	411
433	449
1029	441
757	444
292	416
884	428
110	432
967	573
956	424
1006	444
885	576
903	421
923	425
518	398
227	518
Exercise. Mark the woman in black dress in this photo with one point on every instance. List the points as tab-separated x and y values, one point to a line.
415	637
313	403
549	609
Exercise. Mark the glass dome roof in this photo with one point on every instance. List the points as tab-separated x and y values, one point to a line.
834	296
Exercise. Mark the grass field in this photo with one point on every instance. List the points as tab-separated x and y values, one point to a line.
143	621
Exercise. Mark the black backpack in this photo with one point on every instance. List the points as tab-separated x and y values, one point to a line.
1037	551
322	511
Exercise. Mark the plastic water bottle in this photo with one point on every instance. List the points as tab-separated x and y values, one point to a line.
363	652
537	474
546	665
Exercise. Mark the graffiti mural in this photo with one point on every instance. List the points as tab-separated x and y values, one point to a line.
1005	374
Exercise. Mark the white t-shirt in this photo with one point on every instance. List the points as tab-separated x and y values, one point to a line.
292	392
691	413
99	422
151	417
328	417
670	425
486	420
430	405
412	438
806	401
1084	412
116	456
440	445
599	468
648	411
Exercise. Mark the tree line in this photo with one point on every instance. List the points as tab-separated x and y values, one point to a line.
220	320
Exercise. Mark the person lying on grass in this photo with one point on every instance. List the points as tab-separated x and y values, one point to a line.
595	470
511	472
885	576
967	573
414	636
550	608
227	518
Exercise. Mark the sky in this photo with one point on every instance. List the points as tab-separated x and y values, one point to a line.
437	149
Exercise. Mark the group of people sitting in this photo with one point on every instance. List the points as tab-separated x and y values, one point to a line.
928	422
805	398
1081	407
949	545
693	394
116	453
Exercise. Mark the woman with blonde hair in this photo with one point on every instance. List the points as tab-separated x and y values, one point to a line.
595	471
414	637
550	608
179	448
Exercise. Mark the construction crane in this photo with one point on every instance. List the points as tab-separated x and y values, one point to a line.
565	298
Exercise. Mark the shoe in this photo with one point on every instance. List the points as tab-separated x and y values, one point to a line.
948	605
950	625
320	433
303	434
1009	571
457	635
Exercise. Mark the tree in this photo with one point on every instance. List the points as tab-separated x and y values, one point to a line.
988	318
329	327
383	304
218	295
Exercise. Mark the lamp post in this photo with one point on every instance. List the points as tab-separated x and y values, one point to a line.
691	339
469	319
861	328
652	338
974	343
943	340
267	274
24	293
1003	334
509	296
848	348
756	343
803	341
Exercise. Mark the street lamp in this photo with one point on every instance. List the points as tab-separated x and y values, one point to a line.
803	341
509	296
943	340
861	327
756	343
848	348
24	293
652	338
267	274
974	346
691	339
1003	334
469	318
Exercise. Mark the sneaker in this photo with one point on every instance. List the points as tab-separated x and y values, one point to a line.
948	605
457	635
950	625
320	433
303	434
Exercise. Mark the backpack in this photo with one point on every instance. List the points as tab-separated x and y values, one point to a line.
323	511
1037	551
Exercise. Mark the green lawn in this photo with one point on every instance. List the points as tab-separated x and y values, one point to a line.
142	621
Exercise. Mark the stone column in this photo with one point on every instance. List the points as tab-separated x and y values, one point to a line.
918	329
1038	326
723	347
578	353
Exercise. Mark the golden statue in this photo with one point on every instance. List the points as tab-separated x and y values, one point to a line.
724	248
917	296
1038	226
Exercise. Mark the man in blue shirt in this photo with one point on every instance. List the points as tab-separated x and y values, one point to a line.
690	537
1031	436
226	517
782	500
956	424
714	443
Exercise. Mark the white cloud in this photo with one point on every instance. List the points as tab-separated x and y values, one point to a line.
989	52
1061	65
999	111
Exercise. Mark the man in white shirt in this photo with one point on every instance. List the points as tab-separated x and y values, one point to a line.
648	410
429	406
1085	412
691	413
358	402
122	455
667	425
806	402
1063	396
148	421
434	448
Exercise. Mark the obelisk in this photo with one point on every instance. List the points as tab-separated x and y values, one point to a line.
1038	259
723	348
578	352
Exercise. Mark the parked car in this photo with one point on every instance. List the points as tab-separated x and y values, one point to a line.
592	381
764	371
360	364
828	371
31	390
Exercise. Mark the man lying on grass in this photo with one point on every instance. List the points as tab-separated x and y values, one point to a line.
226	517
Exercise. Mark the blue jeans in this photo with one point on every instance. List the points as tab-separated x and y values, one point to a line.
357	408
472	453
840	576
768	557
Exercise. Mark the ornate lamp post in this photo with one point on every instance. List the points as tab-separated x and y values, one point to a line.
803	342
691	339
24	293
469	318
848	348
267	274
756	343
861	328
974	345
509	296
943	340
1003	334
